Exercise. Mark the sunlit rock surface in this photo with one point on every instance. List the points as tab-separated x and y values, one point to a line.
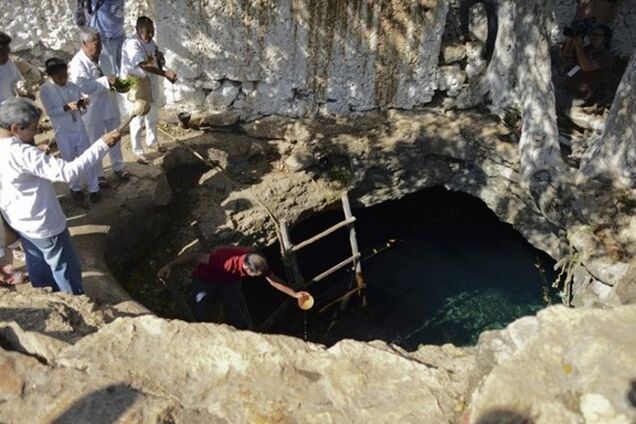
565	365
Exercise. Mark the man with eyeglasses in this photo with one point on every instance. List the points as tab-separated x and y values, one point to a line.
102	115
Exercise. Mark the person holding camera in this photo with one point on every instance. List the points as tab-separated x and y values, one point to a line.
65	105
586	63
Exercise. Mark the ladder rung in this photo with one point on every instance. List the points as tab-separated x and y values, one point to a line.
334	268
325	233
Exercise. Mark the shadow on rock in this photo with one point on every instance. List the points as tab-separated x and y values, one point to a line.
631	394
103	406
504	416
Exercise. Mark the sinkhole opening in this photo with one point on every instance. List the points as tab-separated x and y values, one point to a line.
439	268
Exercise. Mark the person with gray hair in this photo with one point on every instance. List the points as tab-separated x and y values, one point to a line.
28	202
102	114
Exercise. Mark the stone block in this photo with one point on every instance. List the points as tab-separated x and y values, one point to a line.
452	53
224	96
450	77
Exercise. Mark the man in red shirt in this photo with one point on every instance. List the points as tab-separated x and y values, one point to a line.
219	273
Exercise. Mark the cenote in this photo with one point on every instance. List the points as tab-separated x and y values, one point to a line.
439	267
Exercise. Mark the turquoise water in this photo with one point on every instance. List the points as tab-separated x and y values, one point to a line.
447	270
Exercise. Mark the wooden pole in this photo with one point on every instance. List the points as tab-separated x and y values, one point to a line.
346	207
289	258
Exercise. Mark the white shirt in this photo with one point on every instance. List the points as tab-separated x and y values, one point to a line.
54	97
88	76
9	76
133	53
27	198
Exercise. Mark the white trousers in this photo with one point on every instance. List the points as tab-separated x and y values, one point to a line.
150	122
94	134
71	145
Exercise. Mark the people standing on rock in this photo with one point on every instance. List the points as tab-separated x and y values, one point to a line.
107	16
10	76
219	274
65	105
102	114
142	61
28	201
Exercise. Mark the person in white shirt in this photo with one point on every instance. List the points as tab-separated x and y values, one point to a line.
9	74
102	115
28	201
142	59
108	18
65	105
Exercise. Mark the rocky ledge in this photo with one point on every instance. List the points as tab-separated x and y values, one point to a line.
67	360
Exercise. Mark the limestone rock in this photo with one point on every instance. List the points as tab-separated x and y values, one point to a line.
450	78
299	160
573	365
452	53
276	377
224	96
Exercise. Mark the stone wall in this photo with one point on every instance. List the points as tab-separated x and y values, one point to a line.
293	57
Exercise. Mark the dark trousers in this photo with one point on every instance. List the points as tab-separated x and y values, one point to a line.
230	296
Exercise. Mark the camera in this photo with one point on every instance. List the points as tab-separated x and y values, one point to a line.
580	27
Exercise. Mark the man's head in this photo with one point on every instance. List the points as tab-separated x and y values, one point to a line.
145	29
91	43
255	265
5	47
600	37
20	117
57	69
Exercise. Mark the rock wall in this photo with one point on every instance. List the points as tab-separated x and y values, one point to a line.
296	57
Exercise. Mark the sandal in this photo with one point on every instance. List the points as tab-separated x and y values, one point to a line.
141	160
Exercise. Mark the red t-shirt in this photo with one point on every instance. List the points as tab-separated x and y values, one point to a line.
224	266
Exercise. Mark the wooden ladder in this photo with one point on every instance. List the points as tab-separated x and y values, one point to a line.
291	264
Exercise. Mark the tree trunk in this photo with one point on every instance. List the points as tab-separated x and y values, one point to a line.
613	156
539	147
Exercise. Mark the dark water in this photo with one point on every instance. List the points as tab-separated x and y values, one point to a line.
445	270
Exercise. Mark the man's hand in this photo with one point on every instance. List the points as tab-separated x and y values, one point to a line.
111	138
170	76
72	106
164	272
83	102
112	79
301	294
